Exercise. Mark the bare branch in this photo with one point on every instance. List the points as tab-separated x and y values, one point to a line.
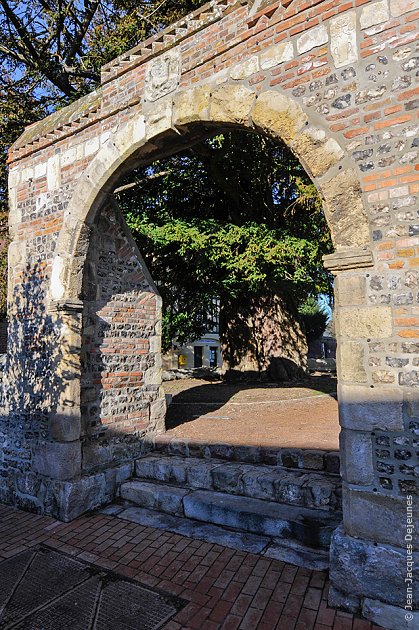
21	30
140	182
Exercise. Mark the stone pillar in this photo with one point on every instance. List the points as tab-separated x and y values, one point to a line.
368	564
60	457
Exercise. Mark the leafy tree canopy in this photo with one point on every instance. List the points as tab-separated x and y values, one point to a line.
51	54
232	217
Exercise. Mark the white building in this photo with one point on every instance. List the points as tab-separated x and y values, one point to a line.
204	352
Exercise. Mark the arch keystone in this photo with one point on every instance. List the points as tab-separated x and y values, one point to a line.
278	115
232	104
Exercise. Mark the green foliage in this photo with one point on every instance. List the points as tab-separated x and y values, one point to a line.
51	54
233	217
313	317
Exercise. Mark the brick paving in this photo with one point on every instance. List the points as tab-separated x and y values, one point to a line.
225	589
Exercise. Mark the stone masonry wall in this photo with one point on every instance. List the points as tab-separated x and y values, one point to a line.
335	81
120	382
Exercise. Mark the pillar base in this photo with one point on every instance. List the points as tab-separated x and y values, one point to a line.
369	578
64	500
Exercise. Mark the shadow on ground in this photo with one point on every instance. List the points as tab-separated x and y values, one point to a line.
211	410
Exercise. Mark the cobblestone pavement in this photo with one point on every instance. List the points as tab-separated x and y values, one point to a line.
225	589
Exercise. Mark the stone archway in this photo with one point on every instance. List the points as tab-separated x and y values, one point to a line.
333	83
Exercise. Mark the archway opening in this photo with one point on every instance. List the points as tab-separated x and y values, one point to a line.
207	238
233	232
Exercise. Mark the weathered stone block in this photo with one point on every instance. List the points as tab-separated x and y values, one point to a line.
412	403
344	601
159	119
260	517
71	393
145	467
154	496
245	69
226	477
399	7
138	130
172	470
199	475
91	146
114	477
345	211
191	105
343	44
65	424
356	457
373	322
41	169
351	356
59	460
158	414
376	517
57	284
312	38
16	253
277	54
96	455
350	289
153	375
365	409
278	115
374	13
391	617
53	173
76	497
231	104
316	151
360	568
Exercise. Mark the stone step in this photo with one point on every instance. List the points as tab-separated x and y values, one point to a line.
265	518
287	551
161	497
307	459
269	483
309	527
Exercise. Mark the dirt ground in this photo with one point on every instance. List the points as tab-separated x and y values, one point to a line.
303	415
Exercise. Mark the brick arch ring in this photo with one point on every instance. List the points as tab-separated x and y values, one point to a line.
149	135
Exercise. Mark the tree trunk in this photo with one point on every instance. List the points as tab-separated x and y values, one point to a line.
262	337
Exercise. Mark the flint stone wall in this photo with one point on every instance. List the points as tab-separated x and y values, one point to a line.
335	81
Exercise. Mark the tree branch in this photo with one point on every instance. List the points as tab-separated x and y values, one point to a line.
140	182
78	40
21	30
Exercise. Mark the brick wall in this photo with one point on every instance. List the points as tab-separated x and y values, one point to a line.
335	81
120	379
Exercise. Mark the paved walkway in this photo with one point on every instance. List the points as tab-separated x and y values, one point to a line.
252	414
224	588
